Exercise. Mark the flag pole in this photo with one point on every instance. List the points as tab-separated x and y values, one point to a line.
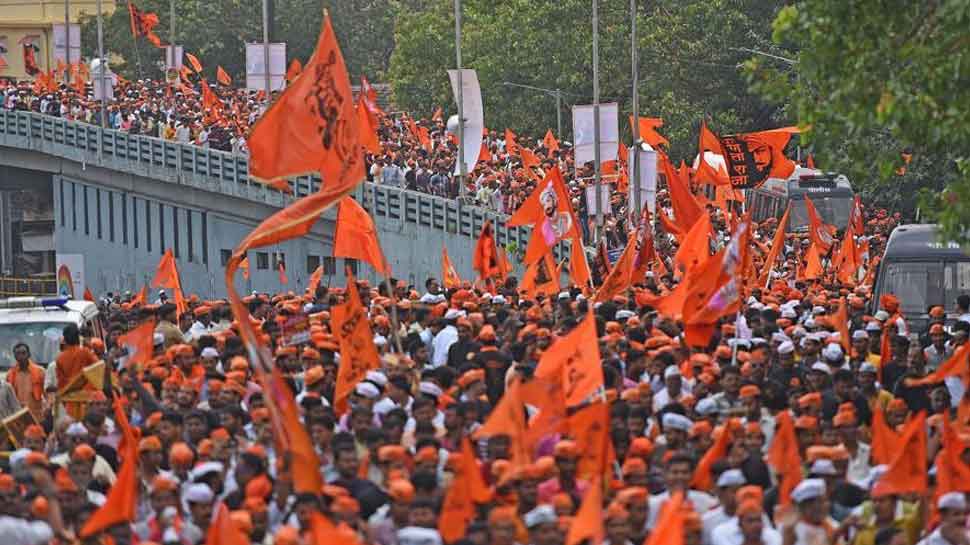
395	324
462	166
266	80
67	34
596	124
102	63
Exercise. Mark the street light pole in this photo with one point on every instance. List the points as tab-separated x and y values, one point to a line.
597	180
103	65
635	160
266	81
462	166
67	33
555	93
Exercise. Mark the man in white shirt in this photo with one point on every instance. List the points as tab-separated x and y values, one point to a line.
677	475
445	338
728	483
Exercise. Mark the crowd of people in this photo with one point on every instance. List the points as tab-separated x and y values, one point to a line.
814	415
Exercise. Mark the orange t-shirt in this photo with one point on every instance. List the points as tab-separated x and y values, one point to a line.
71	362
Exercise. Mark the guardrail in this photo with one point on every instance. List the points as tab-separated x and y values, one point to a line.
12	286
228	173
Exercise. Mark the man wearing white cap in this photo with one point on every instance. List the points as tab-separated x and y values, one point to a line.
786	368
445	338
727	484
543	525
812	526
673	390
953	521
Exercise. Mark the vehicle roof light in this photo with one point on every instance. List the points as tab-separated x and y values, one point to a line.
32	302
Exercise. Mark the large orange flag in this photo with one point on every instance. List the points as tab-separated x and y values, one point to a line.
813	264
648	131
167	276
777	244
715	290
293	70
754	157
708	141
686	209
141	298
885	440
957	364
621	275
291	437
356	236
669	529
550	143
467	488
508	418
223	531
370	98
119	506
547	398
588	522
511	146
315	280
486	260
139	342
549	211
575	360
357	351
695	248
312	127
541	277
223	77
952	473
194	62
449	276
849	259
590	427
907	472
784	458
143	23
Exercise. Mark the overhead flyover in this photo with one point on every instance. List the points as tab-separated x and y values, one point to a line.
120	200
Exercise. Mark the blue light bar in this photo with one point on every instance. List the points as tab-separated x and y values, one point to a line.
54	302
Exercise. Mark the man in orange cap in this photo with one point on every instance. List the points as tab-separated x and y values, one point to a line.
567	454
393	516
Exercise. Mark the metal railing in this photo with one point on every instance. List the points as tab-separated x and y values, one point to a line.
13	287
228	173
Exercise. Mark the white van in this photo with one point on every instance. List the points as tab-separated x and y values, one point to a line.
39	323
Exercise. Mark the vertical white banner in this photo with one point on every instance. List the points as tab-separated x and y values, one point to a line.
173	57
471	98
584	137
256	66
647	180
591	208
59	43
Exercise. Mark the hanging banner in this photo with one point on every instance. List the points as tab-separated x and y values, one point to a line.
591	206
59	43
109	80
256	66
648	180
471	97
584	136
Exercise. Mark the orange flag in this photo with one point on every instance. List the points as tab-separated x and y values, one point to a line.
223	531
508	418
88	296
315	280
244	265
223	77
784	457
357	351
669	529
281	268
139	341
547	398
119	506
293	70
885	440
291	436
549	210
485	259
907	471
819	233
424	136
648	131
590	427
813	264
754	157
484	155
541	277
620	276
695	248
167	276
467	488
952	473
708	141
368	128
141	298
849	259
777	244
210	100
715	290
841	319
356	236
575	359
511	146
324	532
702	479
686	209
194	61
449	276
958	364
588	522
370	98
550	143
312	127
143	24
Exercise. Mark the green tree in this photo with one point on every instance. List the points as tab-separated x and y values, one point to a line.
875	81
689	56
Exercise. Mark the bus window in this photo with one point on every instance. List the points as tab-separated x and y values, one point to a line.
918	285
956	281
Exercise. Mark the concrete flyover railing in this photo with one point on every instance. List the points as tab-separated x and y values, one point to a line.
228	173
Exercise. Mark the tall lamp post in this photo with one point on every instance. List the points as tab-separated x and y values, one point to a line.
555	93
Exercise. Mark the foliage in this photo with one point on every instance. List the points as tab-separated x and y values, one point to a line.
216	31
689	58
875	80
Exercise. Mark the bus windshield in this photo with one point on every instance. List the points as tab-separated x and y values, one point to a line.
43	338
834	210
919	285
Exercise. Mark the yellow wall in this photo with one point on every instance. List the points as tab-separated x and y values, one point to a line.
19	18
